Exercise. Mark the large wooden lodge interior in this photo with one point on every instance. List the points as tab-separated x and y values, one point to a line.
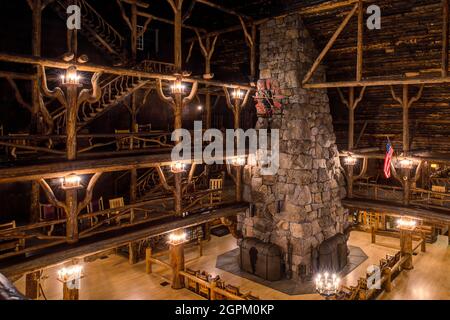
94	207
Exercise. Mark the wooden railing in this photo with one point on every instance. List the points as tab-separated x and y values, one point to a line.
418	196
389	268
91	144
44	234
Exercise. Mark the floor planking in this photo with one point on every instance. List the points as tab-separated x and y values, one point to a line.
114	278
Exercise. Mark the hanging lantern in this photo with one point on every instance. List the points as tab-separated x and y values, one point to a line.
72	181
71	77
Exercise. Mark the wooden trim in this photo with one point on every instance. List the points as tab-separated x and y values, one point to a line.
330	44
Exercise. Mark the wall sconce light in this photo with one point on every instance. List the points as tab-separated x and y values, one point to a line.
434	166
71	77
177	167
238	161
350	160
177	238
200	108
237	94
72	273
405	163
406	224
178	87
72	181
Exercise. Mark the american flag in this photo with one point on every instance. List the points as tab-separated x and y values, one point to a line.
387	160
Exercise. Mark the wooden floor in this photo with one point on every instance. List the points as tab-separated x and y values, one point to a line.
114	278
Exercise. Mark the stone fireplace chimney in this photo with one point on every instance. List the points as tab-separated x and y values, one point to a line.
300	206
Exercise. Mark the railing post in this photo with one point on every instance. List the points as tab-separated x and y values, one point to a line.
406	247
372	231
212	295
148	262
387	273
423	246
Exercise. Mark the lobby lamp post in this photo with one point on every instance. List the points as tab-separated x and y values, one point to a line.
71	277
176	242
71	207
72	100
327	286
177	101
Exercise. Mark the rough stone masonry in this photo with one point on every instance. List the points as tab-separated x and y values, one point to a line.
301	204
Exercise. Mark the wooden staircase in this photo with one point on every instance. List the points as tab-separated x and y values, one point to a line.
97	30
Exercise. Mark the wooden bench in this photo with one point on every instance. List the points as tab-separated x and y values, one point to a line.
13	243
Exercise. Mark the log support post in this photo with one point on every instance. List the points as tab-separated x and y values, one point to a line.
373	234
406	247
423	245
352	102
71	206
32	284
406	104
176	255
133	252
445	16
148	262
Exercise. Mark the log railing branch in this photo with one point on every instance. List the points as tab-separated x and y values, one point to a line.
89	191
161	95
192	94
91	95
50	195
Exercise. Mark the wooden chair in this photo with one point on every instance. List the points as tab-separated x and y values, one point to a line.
216	196
16	139
249	296
144	127
10	244
233	290
117	203
191	284
49	212
126	143
94	206
202	289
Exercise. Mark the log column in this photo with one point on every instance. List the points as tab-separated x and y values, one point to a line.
32	281
351	104
71	121
35	96
176	255
406	246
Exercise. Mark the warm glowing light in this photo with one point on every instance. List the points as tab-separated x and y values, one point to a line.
177	167
200	108
177	238
238	161
327	286
70	273
71	77
237	94
434	166
404	223
178	87
405	163
350	161
71	181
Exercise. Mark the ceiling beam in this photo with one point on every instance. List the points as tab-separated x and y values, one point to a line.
377	83
167	21
53	63
223	9
137	2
